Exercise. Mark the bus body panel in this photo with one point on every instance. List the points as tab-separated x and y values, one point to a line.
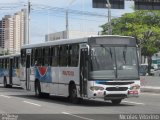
55	80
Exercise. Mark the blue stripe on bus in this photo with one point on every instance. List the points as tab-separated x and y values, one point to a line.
43	74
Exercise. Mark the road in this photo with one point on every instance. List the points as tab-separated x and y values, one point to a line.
18	101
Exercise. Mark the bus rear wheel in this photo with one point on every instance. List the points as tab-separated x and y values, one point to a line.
116	102
5	82
73	94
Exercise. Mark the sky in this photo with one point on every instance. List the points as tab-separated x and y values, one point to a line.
44	20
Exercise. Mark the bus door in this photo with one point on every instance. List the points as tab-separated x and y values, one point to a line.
10	70
28	64
83	71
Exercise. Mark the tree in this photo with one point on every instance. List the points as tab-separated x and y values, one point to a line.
144	26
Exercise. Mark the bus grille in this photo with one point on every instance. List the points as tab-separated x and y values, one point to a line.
116	83
116	96
117	88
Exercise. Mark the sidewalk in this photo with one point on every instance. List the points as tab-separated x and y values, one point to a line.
150	84
150	89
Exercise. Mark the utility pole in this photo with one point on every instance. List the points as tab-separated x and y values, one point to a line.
27	23
108	5
67	23
67	28
28	20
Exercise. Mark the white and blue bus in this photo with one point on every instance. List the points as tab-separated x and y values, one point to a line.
9	70
93	67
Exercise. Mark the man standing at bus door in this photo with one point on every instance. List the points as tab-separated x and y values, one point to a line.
35	64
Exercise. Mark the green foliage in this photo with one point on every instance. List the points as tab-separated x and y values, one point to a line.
143	25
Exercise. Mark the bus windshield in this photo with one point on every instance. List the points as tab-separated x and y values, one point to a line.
113	63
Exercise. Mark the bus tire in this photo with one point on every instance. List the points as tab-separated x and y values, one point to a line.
73	94
5	82
38	92
9	86
116	102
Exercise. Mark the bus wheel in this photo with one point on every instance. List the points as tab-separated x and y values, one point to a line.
73	94
38	89
116	102
5	82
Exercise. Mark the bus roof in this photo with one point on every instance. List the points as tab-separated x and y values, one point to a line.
10	56
70	41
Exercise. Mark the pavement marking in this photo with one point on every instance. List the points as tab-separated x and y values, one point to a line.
134	102
5	96
32	103
77	116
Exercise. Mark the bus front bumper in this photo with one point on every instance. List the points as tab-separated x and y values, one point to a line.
113	95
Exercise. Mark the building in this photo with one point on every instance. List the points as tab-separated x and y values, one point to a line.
8	33
2	31
1	34
12	32
18	32
71	34
1	51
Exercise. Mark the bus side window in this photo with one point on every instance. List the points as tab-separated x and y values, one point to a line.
6	63
46	55
0	63
69	54
23	57
14	62
54	55
74	55
33	57
38	56
17	62
63	55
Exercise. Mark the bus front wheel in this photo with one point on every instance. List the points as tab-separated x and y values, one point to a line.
116	102
73	94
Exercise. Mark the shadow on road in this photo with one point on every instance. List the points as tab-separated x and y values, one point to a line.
13	87
65	101
19	92
56	99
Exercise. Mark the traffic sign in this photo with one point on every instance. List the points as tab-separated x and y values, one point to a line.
115	4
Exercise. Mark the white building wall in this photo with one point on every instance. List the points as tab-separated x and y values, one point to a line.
72	35
8	33
17	33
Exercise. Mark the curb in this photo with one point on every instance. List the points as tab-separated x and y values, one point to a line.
150	89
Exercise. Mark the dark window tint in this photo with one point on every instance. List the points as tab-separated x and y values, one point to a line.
54	55
73	56
63	54
23	57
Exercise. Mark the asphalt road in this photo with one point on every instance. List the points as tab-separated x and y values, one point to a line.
15	101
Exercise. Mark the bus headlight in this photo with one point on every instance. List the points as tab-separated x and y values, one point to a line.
134	87
96	88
